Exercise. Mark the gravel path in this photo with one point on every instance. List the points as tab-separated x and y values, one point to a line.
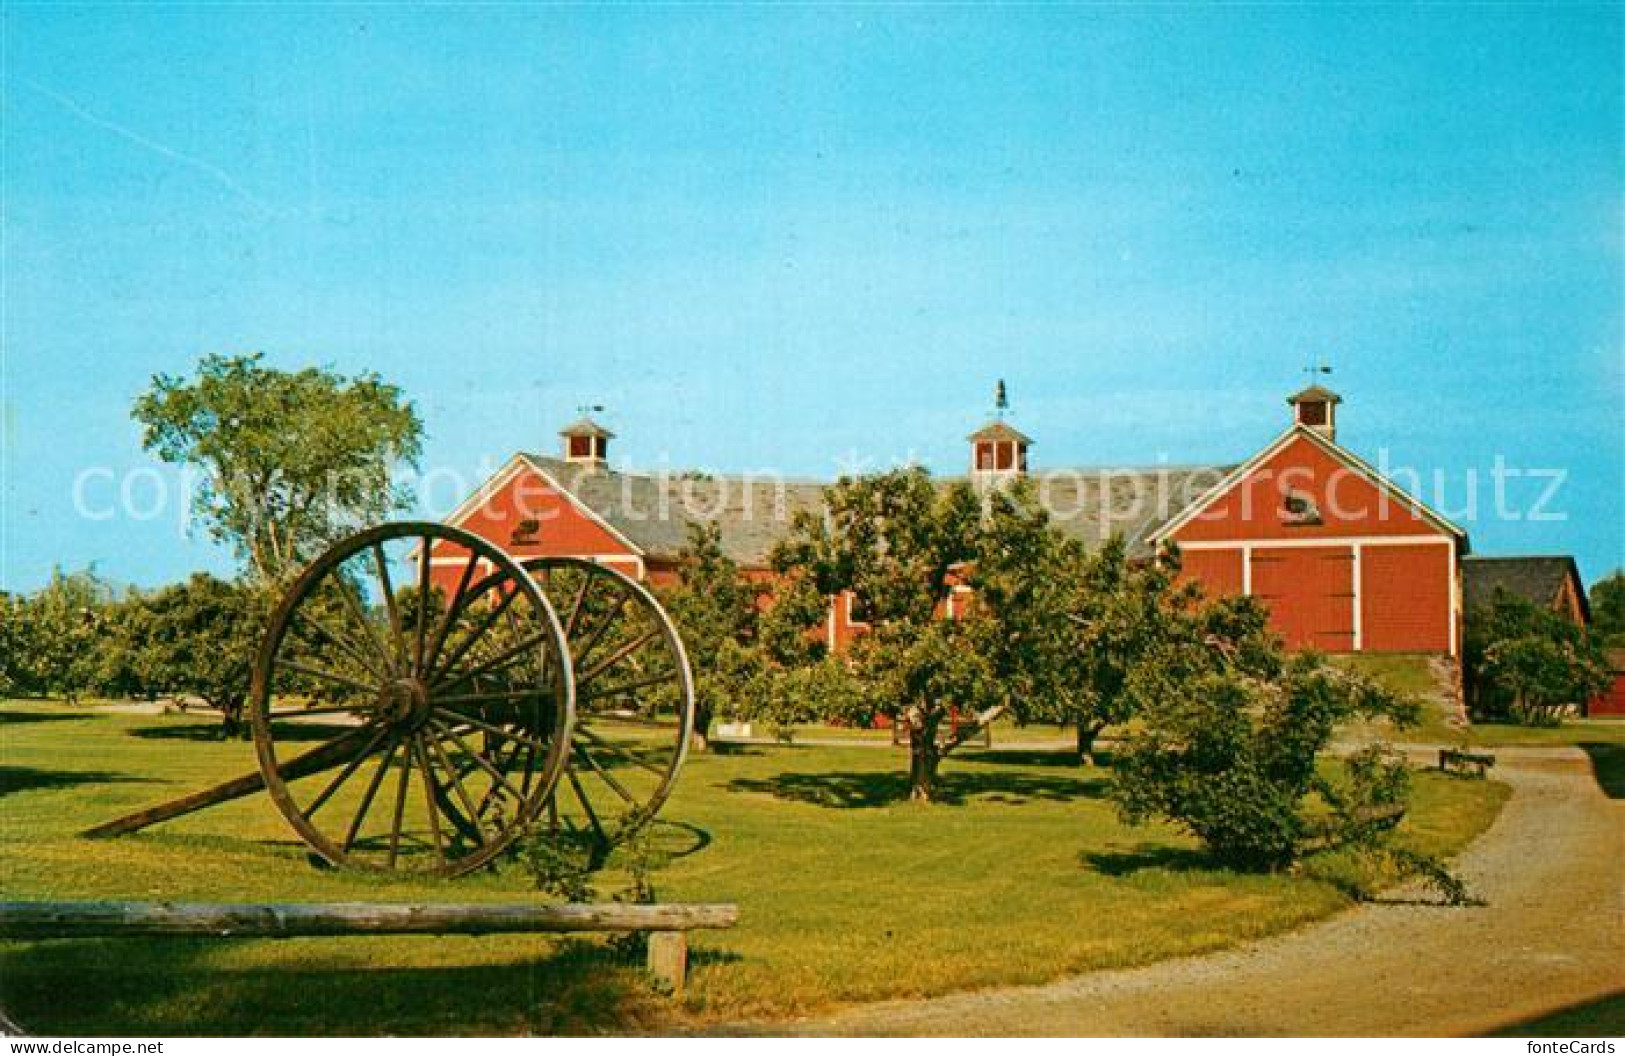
1551	868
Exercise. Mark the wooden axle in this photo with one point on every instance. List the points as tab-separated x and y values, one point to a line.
324	757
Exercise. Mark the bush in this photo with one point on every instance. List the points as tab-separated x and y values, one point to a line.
1230	756
1526	664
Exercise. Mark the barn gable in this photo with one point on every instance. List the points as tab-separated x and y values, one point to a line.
1345	560
528	513
1304	487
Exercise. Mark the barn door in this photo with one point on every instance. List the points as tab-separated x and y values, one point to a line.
1310	594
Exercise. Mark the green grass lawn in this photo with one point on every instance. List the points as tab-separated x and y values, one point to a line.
1023	875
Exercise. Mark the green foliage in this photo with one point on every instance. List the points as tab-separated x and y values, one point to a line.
1230	732
199	638
1070	625
50	641
1527	664
291	460
900	544
716	608
1608	609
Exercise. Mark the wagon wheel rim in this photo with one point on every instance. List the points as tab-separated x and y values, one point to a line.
634	714
443	717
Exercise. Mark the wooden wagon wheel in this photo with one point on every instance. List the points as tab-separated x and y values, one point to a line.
634	701
442	712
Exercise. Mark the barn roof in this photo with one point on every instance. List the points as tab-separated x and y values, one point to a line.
1313	394
754	513
1536	578
1000	430
586	427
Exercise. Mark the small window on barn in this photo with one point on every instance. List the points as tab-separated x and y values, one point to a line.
581	446
1312	412
984	455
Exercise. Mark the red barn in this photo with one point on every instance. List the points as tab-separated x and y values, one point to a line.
1345	560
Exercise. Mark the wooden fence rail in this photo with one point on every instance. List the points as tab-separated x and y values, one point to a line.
667	925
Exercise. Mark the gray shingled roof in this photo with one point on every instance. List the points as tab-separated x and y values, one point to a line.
753	514
1538	579
1000	430
1315	392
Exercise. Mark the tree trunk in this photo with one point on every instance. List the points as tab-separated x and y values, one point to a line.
1087	732
700	739
923	758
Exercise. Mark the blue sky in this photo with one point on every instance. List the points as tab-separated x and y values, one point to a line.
782	237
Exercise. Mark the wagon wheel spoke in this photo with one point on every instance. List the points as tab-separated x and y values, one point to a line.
310	622
357	648
604	623
430	796
626	687
402	787
330	676
497	776
617	750
358	615
586	805
622	653
387	589
605	776
344	775
472	638
454	608
371	792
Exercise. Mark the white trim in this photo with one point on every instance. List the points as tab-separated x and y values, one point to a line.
1453	610
1330	447
1323	541
592	514
1356	572
829	626
1247	569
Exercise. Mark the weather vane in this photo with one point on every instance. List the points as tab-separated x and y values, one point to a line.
1317	367
1001	399
590	408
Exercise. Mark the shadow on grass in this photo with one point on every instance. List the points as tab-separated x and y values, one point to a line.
1602	1017
8	717
1608	767
26	779
286	732
1149	856
1027	757
88	988
884	788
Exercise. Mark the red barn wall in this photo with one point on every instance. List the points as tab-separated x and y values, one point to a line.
1611	705
1371	574
561	530
1349	504
1310	593
1405	601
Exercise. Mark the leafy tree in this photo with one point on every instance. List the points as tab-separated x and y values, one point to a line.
1070	625
291	459
51	638
200	638
1528	664
900	544
1608	609
1229	734
716	607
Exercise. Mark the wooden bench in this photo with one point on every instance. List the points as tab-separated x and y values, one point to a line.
666	925
1461	761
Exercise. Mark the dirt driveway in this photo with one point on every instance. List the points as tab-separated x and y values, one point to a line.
1551	868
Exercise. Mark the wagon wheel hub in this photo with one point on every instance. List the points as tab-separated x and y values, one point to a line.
404	702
